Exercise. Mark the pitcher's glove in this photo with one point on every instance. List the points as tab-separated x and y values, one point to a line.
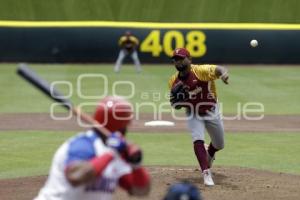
179	94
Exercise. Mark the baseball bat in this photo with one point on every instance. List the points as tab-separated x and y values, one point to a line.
29	75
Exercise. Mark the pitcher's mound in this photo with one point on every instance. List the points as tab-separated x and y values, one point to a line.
231	183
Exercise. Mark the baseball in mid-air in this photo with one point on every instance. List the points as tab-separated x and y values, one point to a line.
253	43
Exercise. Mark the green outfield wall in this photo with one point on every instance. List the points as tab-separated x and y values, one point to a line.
98	42
254	11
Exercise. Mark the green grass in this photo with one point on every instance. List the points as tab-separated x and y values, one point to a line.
275	152
29	153
270	11
274	87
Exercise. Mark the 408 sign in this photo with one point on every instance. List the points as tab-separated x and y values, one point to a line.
194	41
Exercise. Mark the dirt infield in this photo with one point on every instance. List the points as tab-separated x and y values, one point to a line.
231	183
43	121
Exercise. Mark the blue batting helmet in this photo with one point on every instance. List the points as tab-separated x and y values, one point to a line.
183	191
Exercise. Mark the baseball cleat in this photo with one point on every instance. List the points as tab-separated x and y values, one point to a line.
210	160
207	177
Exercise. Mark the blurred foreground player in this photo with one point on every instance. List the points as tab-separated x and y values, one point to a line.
86	167
183	191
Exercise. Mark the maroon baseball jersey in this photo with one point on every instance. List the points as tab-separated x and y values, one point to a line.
202	89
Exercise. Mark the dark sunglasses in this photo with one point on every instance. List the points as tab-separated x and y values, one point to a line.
177	58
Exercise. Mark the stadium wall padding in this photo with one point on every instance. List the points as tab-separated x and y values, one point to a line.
208	44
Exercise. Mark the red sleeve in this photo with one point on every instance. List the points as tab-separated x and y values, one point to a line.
137	178
99	163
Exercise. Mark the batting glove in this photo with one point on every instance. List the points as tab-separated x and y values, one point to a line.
117	142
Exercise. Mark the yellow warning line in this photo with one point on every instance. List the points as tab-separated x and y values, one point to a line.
149	25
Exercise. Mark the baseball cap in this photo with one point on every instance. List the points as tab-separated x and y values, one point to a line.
181	52
183	191
128	33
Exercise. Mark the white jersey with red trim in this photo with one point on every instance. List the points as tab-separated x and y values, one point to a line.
84	146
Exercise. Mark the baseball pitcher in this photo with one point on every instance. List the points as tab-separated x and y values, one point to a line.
193	88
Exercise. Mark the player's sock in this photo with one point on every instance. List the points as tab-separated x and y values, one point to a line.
212	150
201	154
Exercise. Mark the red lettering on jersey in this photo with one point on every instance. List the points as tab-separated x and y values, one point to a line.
201	99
